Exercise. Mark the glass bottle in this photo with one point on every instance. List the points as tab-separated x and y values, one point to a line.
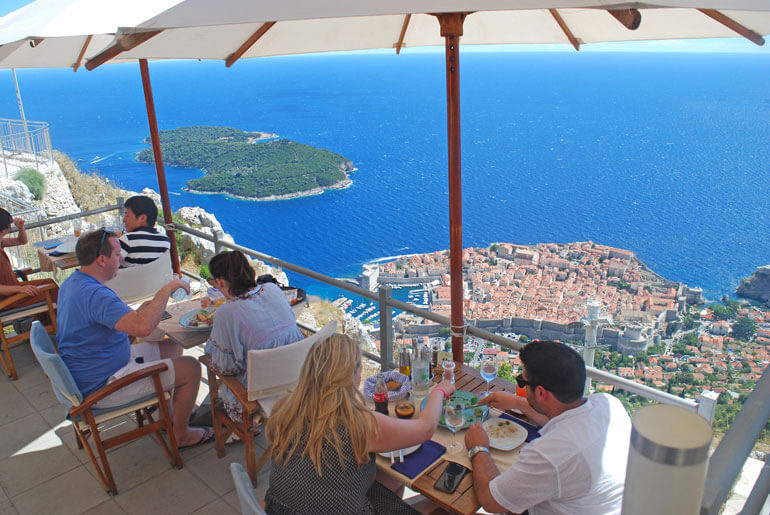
381	395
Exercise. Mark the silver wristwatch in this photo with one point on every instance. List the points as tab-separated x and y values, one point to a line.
476	450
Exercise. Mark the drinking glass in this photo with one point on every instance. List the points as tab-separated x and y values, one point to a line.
179	294
454	419
488	372
77	225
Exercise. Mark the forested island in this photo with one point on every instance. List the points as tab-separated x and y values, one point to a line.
250	165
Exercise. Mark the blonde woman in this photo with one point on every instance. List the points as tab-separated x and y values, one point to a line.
324	437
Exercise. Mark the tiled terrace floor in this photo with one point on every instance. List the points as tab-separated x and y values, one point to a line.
43	471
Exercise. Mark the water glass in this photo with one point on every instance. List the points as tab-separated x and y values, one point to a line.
488	372
454	419
179	294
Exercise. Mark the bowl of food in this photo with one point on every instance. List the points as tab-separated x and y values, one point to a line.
404	409
472	412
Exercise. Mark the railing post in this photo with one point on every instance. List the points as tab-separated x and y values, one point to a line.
218	246
5	163
707	405
121	207
386	327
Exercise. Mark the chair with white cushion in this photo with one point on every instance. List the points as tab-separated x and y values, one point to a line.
271	374
137	283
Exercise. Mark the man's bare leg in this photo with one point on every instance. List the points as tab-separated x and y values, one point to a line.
187	382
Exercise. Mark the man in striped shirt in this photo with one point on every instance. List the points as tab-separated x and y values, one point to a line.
142	243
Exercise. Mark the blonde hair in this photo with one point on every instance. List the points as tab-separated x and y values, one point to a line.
325	399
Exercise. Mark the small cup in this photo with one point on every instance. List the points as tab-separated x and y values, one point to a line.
77	224
405	409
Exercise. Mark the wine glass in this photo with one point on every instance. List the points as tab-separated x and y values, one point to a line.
179	294
454	418
488	372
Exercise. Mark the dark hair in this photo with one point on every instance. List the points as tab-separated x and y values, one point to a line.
555	367
5	219
92	245
233	267
141	205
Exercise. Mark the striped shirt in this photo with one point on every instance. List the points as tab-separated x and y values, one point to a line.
143	246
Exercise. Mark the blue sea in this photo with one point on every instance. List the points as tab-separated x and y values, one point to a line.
665	154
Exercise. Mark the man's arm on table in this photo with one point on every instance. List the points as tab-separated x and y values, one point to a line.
484	469
142	321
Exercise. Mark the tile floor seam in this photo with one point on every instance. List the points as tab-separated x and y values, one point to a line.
54	478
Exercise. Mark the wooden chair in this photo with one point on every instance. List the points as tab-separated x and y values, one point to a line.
271	373
86	418
10	312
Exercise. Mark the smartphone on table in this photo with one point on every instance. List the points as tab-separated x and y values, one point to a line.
451	477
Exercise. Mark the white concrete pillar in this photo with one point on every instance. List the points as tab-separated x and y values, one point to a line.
667	461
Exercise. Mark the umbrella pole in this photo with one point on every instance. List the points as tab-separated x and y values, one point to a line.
155	138
451	30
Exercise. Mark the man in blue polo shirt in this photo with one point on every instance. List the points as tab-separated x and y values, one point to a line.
94	328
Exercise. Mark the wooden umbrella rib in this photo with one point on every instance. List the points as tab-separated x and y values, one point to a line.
734	26
249	43
124	43
82	53
400	43
630	18
563	25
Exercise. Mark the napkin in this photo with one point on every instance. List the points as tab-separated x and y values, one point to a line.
420	459
531	430
56	253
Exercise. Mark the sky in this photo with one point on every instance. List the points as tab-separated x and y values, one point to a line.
722	45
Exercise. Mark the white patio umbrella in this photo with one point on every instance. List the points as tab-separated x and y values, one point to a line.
62	33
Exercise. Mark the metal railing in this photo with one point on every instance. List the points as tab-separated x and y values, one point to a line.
24	144
726	463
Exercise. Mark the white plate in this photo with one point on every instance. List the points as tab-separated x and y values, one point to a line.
408	450
67	246
510	442
185	319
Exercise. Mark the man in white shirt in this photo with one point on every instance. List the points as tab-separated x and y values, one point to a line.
578	465
142	243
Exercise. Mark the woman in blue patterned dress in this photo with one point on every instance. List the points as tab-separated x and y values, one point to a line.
255	316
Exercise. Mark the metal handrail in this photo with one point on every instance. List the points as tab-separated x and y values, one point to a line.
599	375
729	457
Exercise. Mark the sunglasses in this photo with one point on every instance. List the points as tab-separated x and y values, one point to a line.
521	382
101	242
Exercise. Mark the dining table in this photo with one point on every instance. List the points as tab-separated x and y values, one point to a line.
463	500
51	257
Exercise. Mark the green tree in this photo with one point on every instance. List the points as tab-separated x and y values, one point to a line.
505	371
444	332
494	247
524	338
744	329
